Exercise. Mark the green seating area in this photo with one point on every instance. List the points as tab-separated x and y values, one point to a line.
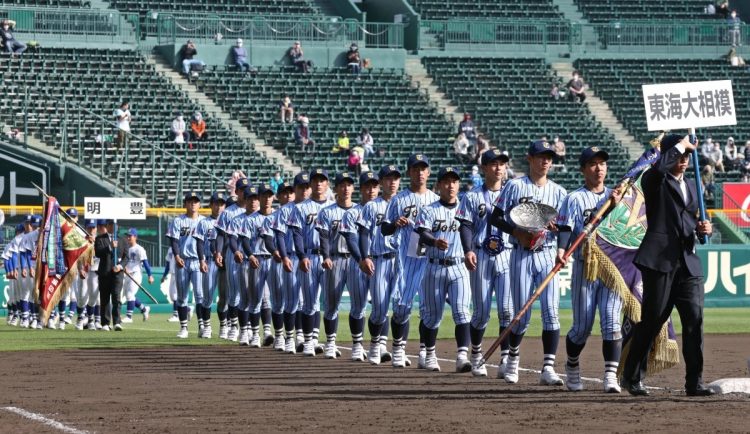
485	9
618	81
98	80
602	11
48	3
255	7
398	116
510	103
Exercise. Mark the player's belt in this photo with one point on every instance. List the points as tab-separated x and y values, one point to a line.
390	255
447	261
341	255
262	256
314	252
538	249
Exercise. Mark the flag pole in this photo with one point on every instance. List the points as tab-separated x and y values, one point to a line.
703	238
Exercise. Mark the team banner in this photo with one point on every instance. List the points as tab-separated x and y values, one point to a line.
608	256
696	104
61	245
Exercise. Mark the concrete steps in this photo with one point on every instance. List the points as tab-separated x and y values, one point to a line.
420	79
215	110
603	113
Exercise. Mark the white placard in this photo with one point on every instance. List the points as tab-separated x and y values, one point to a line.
119	208
696	104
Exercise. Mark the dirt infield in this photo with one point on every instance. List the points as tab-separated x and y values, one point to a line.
233	389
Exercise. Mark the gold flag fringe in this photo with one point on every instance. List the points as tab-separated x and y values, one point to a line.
597	265
64	285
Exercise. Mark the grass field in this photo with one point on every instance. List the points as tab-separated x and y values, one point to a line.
157	332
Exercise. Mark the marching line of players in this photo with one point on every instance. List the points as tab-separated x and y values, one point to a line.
274	267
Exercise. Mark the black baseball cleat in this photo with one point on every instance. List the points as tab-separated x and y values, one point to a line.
699	390
635	389
268	341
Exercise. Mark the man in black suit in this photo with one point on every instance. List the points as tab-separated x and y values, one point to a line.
672	272
110	276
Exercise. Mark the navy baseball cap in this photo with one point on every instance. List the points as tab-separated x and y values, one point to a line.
28	219
343	176
368	177
448	171
284	186
132	232
19	227
101	222
72	212
192	195
90	223
110	221
241	184
319	172
388	170
36	221
218	196
494	154
301	178
265	188
590	153
418	159
540	147
251	191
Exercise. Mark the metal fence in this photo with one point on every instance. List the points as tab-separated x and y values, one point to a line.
74	25
446	35
259	29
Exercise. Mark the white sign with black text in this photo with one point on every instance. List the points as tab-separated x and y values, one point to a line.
117	208
696	104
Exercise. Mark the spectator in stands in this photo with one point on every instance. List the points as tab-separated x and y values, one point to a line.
123	117
475	177
9	41
467	128
286	110
482	146
732	155
713	155
178	131
365	141
198	128
746	162
298	58
275	181
576	88
342	144
708	181
559	147
354	163
187	57
723	10
735	25
302	136
461	148
239	54
733	58
555	93
353	60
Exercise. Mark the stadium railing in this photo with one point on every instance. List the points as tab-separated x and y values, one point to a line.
73	25
442	35
75	125
171	27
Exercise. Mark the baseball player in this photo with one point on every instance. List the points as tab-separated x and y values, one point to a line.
170	267
59	319
365	268
340	269
27	260
205	244
588	297
285	195
307	248
133	257
12	266
487	258
88	286
227	270
399	221
531	264
290	283
187	271
238	295
445	272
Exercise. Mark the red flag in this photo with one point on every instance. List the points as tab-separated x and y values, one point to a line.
62	243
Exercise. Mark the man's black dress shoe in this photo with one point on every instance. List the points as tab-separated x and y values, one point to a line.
635	389
699	390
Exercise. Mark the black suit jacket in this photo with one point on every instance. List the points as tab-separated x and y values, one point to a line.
671	235
103	250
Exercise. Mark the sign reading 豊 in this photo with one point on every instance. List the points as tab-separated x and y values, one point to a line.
694	104
117	208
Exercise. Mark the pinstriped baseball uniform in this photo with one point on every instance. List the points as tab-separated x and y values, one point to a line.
230	267
253	228
206	231
182	229
290	285
356	281
587	296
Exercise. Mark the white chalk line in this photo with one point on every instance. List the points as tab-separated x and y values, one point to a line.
44	420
